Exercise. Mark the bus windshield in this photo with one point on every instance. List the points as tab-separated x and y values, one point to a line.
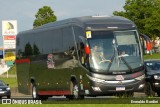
114	51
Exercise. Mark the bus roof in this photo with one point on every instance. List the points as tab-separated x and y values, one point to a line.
86	21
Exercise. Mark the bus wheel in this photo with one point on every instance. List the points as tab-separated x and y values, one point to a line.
148	90
74	90
130	94
158	93
8	96
43	97
34	92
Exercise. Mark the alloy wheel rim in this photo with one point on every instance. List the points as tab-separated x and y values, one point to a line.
34	92
75	91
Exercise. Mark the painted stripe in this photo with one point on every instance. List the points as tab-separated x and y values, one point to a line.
19	61
54	93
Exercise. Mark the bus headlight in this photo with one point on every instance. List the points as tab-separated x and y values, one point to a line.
96	88
140	77
156	77
141	86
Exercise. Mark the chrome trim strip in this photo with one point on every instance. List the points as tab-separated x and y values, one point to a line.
116	82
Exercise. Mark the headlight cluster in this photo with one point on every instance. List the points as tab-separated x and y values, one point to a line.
7	88
156	77
140	77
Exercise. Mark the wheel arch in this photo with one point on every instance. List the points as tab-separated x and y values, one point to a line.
32	80
74	79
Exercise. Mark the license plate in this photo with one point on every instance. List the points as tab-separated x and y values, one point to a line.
120	88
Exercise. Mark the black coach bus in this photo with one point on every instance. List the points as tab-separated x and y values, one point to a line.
77	57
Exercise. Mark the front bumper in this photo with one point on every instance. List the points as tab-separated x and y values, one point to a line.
156	85
110	89
5	93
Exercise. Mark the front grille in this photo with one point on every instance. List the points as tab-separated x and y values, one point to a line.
2	89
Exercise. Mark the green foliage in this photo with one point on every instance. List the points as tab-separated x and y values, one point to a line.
80	105
145	14
28	50
43	16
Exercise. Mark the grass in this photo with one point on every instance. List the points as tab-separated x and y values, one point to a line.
86	105
11	81
117	100
11	71
153	56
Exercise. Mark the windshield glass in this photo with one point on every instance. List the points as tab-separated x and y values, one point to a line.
2	84
117	51
155	65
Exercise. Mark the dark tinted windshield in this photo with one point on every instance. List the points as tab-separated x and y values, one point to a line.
114	51
154	65
1	83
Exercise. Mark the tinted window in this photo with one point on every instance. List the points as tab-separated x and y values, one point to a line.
2	84
49	41
153	65
68	39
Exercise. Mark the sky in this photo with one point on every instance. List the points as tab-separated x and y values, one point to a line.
24	10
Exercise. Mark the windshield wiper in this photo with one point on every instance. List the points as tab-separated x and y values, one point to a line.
110	64
126	63
114	55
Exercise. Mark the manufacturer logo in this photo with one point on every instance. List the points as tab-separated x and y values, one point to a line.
119	77
120	82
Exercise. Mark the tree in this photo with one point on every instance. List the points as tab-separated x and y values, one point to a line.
43	16
145	14
35	50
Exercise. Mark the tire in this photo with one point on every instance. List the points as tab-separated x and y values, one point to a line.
125	95
130	94
148	90
8	96
34	92
74	89
42	97
158	93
